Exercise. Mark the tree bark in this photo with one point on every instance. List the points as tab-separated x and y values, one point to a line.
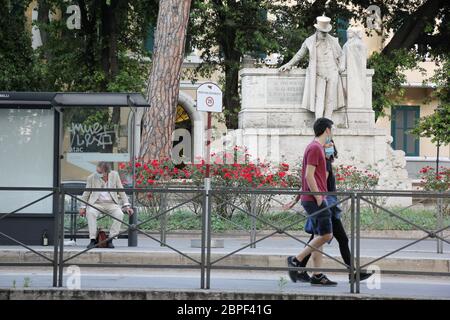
43	18
231	99
232	62
109	52
164	80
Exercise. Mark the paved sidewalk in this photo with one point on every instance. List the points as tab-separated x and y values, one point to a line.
270	252
126	284
279	245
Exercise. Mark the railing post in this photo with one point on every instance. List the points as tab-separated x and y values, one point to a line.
352	244
56	237
203	239
358	241
439	225
132	232
253	220
61	237
208	231
163	219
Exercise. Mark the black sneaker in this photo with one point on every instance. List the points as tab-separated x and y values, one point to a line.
322	280
92	244
362	276
293	274
303	277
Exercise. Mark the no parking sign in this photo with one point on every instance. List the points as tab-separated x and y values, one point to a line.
209	98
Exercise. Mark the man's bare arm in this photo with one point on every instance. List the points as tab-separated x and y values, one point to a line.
312	184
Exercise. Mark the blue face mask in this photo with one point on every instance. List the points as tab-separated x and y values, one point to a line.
329	151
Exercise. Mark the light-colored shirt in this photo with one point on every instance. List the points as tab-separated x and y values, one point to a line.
104	196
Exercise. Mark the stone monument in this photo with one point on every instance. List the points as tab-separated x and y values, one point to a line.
277	113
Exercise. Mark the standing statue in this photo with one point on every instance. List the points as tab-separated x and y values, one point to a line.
323	92
355	60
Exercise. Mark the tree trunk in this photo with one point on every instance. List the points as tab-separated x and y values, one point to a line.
164	81
109	40
231	100
88	27
43	18
110	63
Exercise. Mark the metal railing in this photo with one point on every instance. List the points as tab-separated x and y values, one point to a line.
206	262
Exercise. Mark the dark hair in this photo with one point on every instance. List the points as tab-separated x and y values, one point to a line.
320	125
106	167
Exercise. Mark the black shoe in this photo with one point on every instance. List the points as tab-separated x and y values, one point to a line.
303	277
322	280
109	244
292	264
362	276
92	244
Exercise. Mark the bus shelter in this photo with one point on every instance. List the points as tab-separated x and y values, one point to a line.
51	138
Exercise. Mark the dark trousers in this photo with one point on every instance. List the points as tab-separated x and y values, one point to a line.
342	239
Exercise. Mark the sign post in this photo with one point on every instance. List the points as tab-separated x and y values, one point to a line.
209	99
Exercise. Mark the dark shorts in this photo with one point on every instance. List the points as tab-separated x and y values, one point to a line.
321	223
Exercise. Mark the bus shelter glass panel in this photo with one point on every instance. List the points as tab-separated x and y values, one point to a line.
26	158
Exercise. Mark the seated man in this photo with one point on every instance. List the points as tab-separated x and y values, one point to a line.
105	201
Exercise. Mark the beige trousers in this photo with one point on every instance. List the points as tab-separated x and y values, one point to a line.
107	207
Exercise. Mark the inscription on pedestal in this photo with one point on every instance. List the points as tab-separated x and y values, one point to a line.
284	91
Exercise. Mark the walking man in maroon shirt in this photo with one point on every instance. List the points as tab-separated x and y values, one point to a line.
314	179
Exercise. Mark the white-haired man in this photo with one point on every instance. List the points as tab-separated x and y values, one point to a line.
105	201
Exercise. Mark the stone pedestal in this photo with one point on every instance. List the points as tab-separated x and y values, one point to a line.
274	126
271	99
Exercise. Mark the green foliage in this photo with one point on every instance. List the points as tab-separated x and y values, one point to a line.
16	55
74	60
388	78
185	220
225	31
437	125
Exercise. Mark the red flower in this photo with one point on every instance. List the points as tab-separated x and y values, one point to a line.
282	174
155	163
122	166
150	181
424	170
138	164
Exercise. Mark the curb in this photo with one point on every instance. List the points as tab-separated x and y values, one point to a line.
161	294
